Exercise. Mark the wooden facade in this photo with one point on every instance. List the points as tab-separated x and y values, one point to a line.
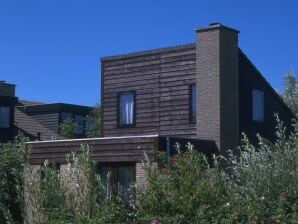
113	149
49	115
161	80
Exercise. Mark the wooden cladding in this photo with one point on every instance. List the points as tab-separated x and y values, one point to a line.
160	80
102	149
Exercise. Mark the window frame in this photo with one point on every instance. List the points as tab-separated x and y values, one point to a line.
192	120
113	168
134	110
10	117
252	105
75	116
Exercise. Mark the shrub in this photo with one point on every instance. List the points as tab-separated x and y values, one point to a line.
13	157
184	190
257	184
74	196
265	179
67	129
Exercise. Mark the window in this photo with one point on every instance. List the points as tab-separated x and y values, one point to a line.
4	117
193	104
66	116
118	180
79	124
90	125
126	109
258	105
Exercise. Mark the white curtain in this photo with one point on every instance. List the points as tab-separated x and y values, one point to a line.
126	108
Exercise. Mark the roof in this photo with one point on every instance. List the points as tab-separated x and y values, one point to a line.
148	52
32	128
23	102
54	107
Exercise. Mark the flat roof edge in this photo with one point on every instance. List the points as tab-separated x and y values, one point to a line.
146	52
91	139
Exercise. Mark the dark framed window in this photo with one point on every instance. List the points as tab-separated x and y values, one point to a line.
65	116
258	105
126	109
4	117
79	124
118	179
193	103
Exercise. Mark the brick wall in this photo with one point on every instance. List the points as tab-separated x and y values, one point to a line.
217	85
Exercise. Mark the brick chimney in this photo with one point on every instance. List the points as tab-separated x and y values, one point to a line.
217	85
7	89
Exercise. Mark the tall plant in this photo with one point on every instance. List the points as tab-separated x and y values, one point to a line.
13	157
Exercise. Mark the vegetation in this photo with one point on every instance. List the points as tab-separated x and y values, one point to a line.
259	184
74	196
93	129
13	157
67	129
290	94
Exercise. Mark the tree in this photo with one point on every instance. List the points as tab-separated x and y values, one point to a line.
93	122
290	94
66	129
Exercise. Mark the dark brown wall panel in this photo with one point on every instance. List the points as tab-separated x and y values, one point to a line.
161	80
249	79
49	120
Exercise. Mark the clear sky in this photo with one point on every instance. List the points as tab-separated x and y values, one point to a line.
51	48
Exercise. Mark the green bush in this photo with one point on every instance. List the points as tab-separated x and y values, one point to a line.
252	184
13	157
67	129
184	189
74	196
255	185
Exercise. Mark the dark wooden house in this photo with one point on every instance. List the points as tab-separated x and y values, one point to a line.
7	104
206	93
52	115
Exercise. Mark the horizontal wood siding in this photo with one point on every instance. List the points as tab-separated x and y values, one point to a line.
102	150
161	81
178	72
49	120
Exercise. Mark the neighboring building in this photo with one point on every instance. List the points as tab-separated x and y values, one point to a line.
7	104
206	93
36	120
52	115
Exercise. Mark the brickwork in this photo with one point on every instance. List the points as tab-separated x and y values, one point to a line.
140	176
30	200
217	83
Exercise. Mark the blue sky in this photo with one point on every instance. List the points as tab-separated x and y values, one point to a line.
51	48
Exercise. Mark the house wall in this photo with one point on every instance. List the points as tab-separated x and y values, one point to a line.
49	120
130	149
250	78
161	81
217	81
7	134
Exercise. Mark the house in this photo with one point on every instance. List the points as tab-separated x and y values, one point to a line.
37	120
8	101
206	93
52	115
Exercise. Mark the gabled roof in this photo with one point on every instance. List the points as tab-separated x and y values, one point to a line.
32	128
